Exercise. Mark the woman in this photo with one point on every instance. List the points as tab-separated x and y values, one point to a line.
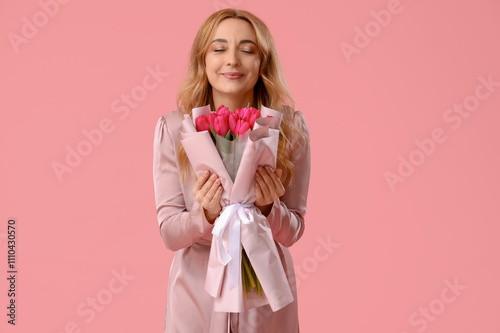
233	61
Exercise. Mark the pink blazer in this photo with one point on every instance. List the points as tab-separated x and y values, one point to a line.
184	229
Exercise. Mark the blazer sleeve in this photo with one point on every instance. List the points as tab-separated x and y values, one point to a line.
286	217
179	227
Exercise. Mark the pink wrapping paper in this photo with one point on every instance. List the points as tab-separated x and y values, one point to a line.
245	222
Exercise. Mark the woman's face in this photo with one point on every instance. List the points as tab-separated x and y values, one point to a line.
233	50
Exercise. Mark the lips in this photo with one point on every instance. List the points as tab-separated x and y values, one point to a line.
232	75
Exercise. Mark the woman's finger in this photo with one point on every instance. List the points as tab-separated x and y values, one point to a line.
201	195
208	185
200	181
279	189
213	189
278	186
262	185
217	196
258	193
271	189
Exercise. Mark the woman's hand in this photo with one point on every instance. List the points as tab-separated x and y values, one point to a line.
208	192
268	188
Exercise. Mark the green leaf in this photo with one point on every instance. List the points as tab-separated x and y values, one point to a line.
212	130
213	133
228	135
248	105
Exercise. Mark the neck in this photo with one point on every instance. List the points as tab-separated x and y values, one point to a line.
233	102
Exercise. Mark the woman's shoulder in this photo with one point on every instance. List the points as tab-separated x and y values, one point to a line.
298	118
169	125
299	139
173	117
172	120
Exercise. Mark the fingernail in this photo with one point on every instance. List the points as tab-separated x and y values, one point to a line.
268	168
257	175
205	173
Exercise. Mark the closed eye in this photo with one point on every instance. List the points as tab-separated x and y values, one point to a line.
220	50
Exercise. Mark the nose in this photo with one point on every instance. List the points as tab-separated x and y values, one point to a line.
233	57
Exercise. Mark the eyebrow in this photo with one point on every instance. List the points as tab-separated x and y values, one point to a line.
241	41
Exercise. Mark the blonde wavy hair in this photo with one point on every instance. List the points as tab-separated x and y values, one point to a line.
270	90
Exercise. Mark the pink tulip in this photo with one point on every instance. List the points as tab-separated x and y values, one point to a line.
221	125
222	110
237	127
255	111
224	126
233	119
252	119
201	123
244	126
223	121
210	119
245	113
216	126
237	113
241	113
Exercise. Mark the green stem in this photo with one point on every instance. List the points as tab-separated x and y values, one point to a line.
247	269
244	281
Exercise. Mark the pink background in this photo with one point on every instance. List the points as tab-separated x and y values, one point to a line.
398	246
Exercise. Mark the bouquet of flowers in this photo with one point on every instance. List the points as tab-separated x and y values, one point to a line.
243	254
226	127
229	132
